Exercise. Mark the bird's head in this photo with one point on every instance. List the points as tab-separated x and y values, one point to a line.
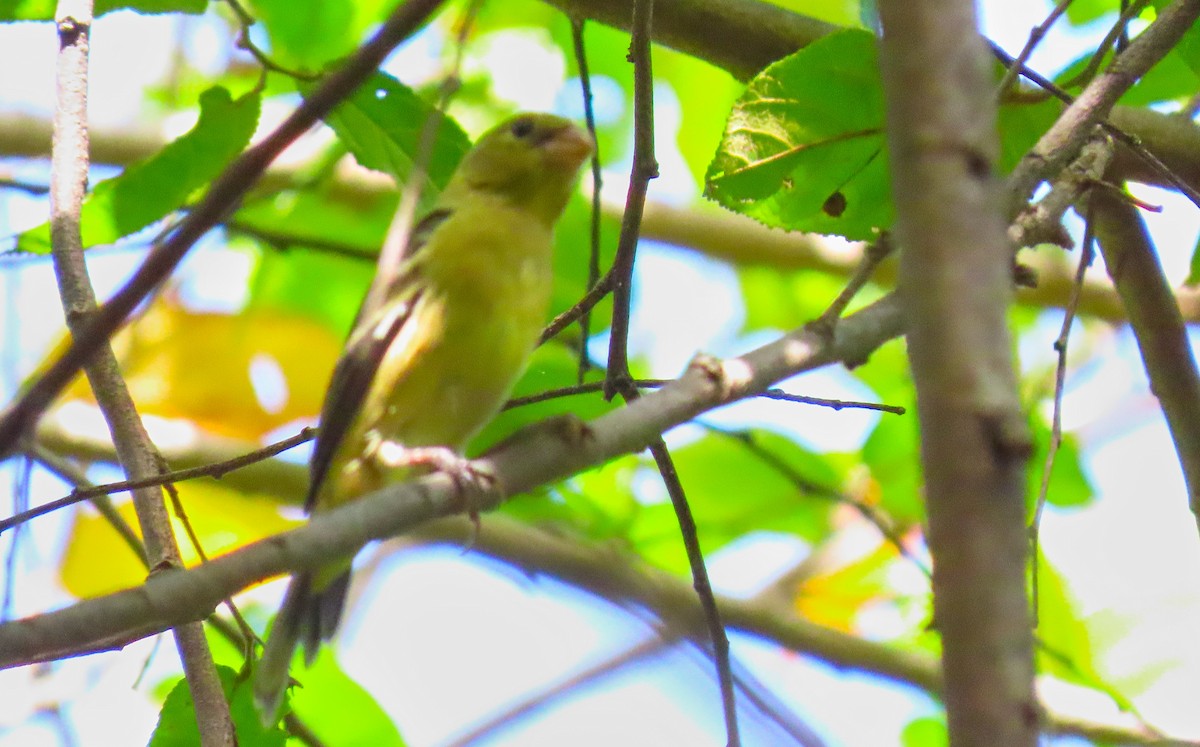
530	159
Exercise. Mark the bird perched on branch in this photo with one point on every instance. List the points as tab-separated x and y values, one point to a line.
429	367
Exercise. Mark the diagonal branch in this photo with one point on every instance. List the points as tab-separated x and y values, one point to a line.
1162	338
1062	142
546	453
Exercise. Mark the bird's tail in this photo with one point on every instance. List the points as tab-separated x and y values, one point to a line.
309	614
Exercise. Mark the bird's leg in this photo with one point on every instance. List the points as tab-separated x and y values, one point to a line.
469	478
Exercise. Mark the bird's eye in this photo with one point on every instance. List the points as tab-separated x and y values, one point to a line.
522	128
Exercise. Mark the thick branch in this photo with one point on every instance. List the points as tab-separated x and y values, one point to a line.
741	36
1162	338
956	279
1062	142
550	452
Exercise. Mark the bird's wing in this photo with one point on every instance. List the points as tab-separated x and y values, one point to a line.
361	360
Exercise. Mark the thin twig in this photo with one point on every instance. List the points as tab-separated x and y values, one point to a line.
1117	37
1036	34
645	168
773	393
873	254
544	697
215	470
1086	255
833	404
73	474
244	42
1135	146
582	307
395	244
877	518
1061	143
589	114
700	582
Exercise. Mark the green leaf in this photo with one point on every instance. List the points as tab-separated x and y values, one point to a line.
785	300
1069	486
804	146
43	10
925	732
733	491
315	283
1066	642
353	225
1194	268
381	124
177	719
1021	124
337	709
312	33
1081	12
891	453
151	189
572	250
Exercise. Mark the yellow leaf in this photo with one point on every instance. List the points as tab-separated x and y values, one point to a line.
235	375
97	561
834	598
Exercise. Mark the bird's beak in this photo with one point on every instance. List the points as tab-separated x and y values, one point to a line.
569	147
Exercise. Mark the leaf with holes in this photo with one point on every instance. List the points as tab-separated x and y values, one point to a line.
804	146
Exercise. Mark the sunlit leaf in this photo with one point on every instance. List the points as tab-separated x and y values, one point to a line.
835	597
152	189
177	719
43	10
309	34
925	732
1065	645
236	375
222	518
309	218
336	708
381	124
733	491
1069	486
840	12
806	135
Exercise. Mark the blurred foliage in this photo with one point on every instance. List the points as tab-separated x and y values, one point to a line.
800	147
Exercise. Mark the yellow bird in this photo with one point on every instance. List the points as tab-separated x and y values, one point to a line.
435	362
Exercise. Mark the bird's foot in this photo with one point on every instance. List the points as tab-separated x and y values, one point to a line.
470	478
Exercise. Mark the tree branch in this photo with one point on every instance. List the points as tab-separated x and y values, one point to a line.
1062	142
68	181
1161	335
546	453
956	280
612	575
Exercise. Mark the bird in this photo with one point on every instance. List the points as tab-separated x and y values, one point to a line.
433	363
